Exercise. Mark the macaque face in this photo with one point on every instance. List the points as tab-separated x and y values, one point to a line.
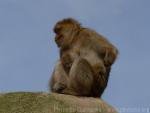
62	36
59	35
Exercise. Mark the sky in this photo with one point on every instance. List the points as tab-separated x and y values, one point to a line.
28	52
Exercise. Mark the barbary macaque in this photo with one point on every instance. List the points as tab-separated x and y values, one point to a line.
85	60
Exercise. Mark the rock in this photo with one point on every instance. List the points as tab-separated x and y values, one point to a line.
29	102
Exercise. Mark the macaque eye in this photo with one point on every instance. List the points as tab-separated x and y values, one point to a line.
57	29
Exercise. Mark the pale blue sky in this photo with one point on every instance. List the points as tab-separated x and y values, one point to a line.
28	52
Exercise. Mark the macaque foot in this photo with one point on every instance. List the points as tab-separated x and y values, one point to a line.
58	87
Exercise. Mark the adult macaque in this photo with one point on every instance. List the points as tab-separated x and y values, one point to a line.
85	60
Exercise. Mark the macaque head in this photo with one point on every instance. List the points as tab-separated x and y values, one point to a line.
65	31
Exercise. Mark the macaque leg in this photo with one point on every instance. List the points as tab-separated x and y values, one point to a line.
59	79
80	78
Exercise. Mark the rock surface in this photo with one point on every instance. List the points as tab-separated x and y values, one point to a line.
29	102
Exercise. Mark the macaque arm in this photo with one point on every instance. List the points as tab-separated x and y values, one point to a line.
59	78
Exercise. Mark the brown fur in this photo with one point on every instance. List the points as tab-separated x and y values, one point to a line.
85	60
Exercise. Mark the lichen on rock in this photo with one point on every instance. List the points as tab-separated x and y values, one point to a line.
30	102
